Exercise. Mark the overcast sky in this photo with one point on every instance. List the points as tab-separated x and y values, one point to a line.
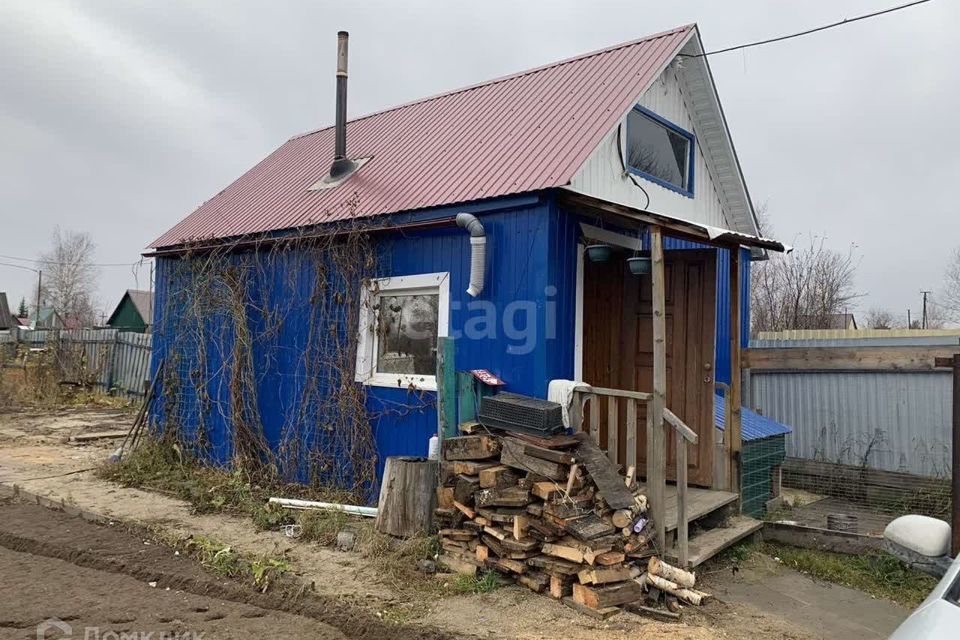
119	118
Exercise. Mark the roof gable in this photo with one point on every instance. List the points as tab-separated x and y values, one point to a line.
521	133
142	303
684	94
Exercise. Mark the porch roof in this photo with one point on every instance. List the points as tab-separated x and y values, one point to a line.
696	231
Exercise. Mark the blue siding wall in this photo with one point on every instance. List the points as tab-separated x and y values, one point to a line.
530	286
521	345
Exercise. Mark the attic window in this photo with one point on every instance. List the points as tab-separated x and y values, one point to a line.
400	321
660	151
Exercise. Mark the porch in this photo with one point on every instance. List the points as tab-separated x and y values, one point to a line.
646	344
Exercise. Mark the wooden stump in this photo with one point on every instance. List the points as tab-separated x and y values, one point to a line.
407	496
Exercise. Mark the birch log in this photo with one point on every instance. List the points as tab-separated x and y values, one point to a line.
691	596
658	567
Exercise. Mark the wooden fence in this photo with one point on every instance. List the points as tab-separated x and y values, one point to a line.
112	361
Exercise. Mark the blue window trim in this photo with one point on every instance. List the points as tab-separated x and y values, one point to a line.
654	179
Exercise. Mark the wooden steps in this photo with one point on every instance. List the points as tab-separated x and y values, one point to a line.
712	541
700	503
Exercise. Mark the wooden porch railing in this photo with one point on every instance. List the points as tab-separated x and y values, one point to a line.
656	477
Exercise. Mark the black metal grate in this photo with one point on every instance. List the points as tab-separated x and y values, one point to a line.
514	412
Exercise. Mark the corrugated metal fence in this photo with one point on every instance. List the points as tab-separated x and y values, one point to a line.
889	420
112	361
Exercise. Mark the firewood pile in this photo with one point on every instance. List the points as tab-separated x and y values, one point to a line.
555	515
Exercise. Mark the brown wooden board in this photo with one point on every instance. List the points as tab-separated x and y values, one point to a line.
505	497
555	566
604	474
589	527
554	442
560	457
513	455
599	614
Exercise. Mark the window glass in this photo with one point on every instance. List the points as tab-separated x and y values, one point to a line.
407	334
658	150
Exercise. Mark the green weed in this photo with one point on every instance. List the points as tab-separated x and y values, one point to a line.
878	574
483	582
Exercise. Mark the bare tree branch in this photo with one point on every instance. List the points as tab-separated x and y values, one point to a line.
70	277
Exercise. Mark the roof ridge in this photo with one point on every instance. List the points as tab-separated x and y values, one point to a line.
518	74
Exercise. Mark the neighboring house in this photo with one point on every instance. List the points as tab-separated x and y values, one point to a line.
612	150
7	319
49	318
134	312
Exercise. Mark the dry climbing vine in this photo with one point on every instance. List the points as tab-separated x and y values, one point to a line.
260	341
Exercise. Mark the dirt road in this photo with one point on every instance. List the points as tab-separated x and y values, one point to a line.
85	580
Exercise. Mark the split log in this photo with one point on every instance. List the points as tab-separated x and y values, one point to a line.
690	596
467	511
622	518
467	467
561	551
520	524
611	558
543	490
470	447
604	575
658	567
465	487
534	580
407	496
498	476
572	477
560	587
609	595
444	497
505	497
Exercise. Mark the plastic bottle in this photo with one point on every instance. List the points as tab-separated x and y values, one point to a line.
433	450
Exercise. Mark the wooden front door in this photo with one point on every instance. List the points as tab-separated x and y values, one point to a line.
618	345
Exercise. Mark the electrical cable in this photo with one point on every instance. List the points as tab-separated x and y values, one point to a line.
841	23
54	262
623	165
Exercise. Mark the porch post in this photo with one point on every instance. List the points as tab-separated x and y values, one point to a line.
656	449
733	437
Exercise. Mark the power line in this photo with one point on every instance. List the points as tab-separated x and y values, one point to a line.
54	262
806	32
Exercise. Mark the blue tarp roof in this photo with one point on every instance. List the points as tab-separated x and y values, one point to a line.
753	425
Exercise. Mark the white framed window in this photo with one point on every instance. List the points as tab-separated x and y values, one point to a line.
400	320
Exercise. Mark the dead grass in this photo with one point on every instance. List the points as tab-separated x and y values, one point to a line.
164	467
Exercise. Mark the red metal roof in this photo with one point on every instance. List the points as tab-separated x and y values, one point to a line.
520	133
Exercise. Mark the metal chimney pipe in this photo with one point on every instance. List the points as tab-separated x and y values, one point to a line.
341	164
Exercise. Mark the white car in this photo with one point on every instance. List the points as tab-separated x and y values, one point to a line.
924	543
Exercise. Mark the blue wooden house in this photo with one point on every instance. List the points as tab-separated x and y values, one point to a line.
585	220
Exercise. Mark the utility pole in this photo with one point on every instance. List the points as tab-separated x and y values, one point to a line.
36	318
909	320
923	325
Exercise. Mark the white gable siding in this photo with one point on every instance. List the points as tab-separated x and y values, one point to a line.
602	175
